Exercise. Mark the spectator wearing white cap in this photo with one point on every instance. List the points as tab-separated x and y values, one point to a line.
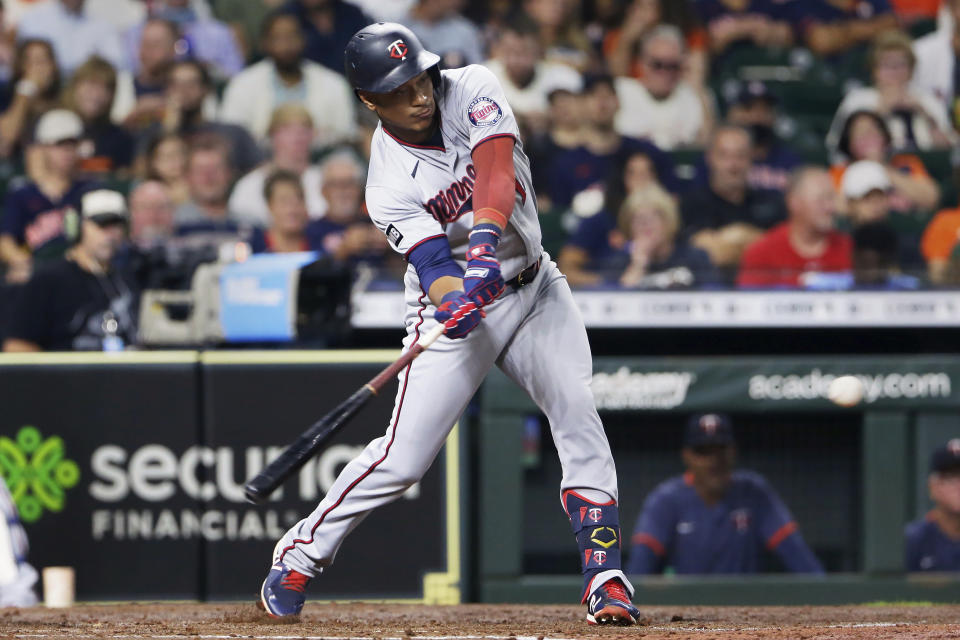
80	302
867	188
32	227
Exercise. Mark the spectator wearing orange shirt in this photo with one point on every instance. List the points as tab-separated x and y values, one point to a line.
938	242
806	243
865	137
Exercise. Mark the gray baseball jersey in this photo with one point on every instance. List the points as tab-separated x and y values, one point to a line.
418	192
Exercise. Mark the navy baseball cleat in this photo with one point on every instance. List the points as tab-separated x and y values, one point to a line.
610	604
283	592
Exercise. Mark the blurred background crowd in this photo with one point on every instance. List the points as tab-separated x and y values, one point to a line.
688	144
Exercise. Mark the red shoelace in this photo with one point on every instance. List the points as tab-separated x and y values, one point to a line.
295	581
615	589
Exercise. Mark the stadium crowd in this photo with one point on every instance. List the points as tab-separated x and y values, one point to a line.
674	144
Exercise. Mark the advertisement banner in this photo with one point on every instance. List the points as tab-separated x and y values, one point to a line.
750	384
93	457
133	474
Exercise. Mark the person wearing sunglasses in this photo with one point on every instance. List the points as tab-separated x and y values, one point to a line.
660	105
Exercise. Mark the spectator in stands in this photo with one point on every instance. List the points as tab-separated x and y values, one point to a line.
36	90
75	36
187	87
285	77
876	259
732	23
590	165
939	244
345	232
561	36
140	101
283	193
726	215
209	176
80	303
806	243
865	136
866	187
32	227
647	252
166	161
7	51
245	19
622	44
933	542
565	132
443	30
936	68
756	109
328	25
597	237
90	94
151	214
714	519
203	37
526	78
832	29
915	119
291	132
661	106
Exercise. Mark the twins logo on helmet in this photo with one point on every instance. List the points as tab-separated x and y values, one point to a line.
397	50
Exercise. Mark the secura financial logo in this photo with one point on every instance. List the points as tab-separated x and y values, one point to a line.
152	492
37	472
884	386
625	389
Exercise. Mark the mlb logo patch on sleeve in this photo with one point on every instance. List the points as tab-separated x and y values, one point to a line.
394	235
484	112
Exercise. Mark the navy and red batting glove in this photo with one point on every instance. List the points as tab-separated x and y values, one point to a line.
459	314
482	280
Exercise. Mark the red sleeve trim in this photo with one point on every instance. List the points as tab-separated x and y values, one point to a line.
649	541
439	235
781	534
494	137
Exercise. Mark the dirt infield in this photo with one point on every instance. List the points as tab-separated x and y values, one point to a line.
469	622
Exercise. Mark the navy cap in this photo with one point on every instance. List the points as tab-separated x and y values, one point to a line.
708	429
946	457
755	90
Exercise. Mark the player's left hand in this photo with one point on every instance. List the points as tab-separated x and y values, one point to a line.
459	314
482	279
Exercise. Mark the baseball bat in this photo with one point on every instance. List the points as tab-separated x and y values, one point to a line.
311	440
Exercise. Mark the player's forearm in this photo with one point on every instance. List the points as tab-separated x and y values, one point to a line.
442	286
494	187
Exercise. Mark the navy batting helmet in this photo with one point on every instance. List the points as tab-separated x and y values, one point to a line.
382	56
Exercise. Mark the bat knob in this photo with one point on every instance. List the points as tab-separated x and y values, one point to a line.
255	494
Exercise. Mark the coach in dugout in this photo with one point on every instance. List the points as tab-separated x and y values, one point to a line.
713	519
933	542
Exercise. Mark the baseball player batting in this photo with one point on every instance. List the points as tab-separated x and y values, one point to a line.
450	187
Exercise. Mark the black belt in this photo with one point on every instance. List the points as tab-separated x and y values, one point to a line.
525	277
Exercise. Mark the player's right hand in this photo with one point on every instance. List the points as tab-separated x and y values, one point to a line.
459	314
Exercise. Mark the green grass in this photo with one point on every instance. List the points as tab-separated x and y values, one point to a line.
899	603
